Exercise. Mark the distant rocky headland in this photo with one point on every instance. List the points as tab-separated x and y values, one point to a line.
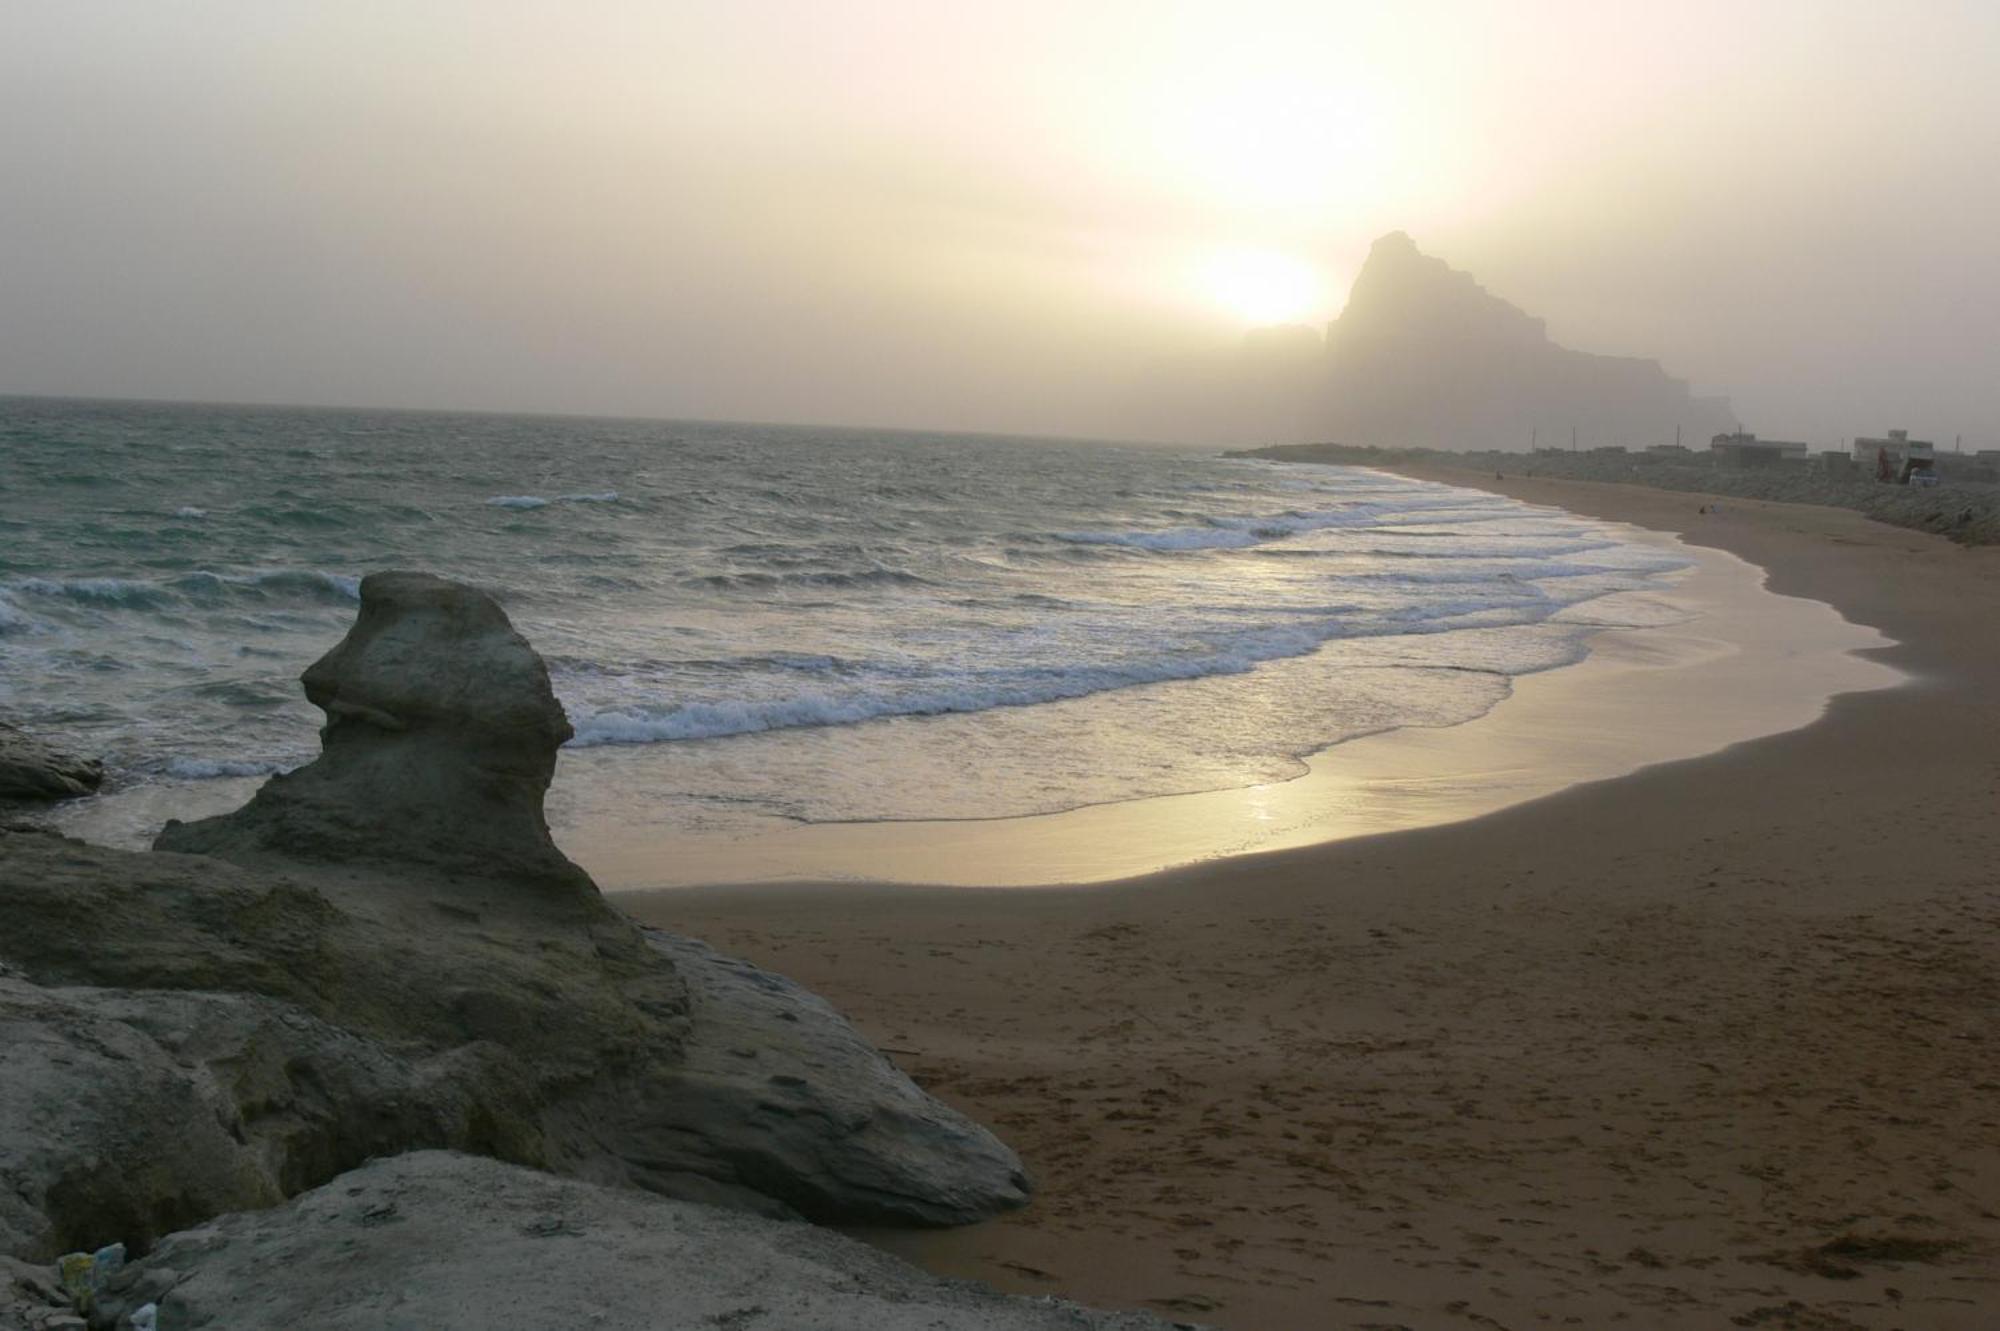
1424	356
371	1052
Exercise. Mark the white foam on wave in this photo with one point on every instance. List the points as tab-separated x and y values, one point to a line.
646	724
649	723
210	769
1179	538
347	586
1426	573
93	591
1493	593
190	511
133	593
12	616
344	585
540	501
1238	531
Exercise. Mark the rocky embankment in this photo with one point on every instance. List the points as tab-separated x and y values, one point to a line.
1966	511
35	771
384	953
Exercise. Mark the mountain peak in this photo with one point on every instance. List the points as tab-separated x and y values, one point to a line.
1425	355
1401	292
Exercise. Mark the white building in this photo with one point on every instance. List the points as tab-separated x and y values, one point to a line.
1899	447
1747	450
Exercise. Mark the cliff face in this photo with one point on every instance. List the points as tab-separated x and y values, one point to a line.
1423	356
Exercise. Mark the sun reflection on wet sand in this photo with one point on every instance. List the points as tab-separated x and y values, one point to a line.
1750	663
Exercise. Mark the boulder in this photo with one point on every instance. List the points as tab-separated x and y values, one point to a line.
435	1241
440	740
288	1027
186	1034
32	1299
814	1115
31	769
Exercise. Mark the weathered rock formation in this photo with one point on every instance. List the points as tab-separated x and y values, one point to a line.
1423	356
443	1242
31	769
385	952
440	740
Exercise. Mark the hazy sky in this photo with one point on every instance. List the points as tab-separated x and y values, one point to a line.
982	215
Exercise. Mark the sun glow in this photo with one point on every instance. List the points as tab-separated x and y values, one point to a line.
1264	287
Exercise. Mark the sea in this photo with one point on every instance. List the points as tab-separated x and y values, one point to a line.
757	625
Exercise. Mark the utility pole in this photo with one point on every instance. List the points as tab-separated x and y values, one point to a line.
1572	439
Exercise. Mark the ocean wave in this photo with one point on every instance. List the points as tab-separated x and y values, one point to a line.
120	592
756	581
1236	531
190	511
311	582
1174	538
320	518
1373	546
12	617
112	593
539	501
567	669
210	769
1474	572
645	722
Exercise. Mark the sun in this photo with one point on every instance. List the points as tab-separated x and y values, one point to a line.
1264	286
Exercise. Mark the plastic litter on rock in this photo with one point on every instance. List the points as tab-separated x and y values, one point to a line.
83	1273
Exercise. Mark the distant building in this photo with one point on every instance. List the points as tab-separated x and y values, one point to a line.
1895	457
1669	450
1742	449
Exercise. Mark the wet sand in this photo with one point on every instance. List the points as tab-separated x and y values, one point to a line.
1714	1043
1746	663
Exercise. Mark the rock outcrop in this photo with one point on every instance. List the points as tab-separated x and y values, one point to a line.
31	769
440	741
442	1242
371	958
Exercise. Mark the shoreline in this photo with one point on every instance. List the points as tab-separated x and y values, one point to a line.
1718	674
1634	1050
1736	662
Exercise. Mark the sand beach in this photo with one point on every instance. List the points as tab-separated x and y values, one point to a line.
1711	1043
914	667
